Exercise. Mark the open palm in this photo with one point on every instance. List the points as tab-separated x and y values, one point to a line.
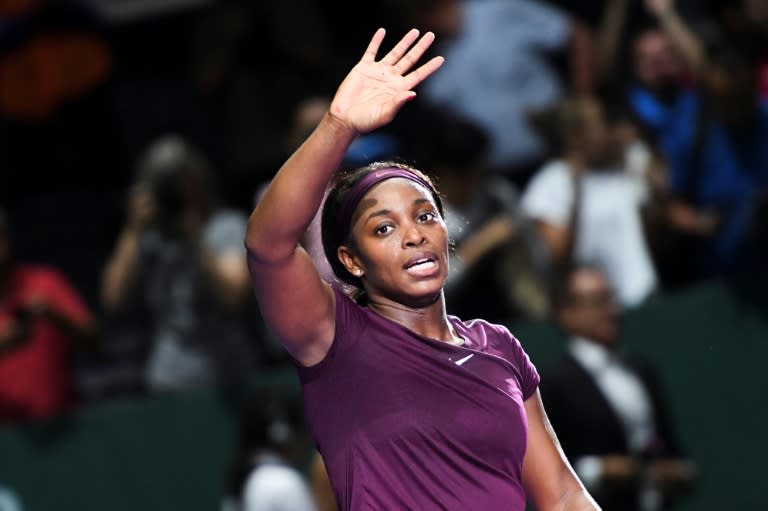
373	91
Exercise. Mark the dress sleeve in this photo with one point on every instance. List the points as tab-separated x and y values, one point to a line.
501	342
529	376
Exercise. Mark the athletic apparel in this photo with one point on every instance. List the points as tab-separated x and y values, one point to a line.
411	423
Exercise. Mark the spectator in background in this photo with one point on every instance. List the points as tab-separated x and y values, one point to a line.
41	317
183	254
271	441
651	42
609	410
498	56
713	131
587	202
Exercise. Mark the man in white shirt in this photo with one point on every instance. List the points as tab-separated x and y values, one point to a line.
587	202
608	410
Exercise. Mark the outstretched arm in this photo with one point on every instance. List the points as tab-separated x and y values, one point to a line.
609	37
681	35
294	301
549	480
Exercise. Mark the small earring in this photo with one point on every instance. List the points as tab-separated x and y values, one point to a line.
358	273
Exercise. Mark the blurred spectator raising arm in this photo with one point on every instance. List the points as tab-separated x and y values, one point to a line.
685	41
226	272
182	254
704	113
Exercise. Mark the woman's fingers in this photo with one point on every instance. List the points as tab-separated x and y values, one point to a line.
405	54
416	76
414	54
396	53
373	46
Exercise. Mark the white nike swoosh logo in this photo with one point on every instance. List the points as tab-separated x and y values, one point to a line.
459	362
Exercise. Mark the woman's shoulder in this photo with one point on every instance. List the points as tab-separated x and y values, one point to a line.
497	340
351	322
486	332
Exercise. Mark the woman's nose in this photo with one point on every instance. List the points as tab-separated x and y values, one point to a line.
413	236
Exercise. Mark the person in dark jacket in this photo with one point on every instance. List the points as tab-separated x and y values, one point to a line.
609	409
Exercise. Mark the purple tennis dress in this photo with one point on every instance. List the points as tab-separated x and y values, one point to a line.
405	422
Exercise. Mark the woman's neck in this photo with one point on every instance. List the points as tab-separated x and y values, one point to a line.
429	321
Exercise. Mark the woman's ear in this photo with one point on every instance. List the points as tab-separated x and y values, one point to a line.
350	261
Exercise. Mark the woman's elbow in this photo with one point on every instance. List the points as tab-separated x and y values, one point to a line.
264	248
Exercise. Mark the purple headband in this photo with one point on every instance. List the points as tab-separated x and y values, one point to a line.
359	189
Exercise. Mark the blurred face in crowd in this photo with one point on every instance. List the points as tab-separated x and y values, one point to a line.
592	137
401	244
655	62
590	309
181	201
176	174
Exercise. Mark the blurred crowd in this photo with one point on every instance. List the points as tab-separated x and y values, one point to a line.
627	136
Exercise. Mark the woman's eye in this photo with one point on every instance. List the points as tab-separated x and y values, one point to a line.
383	229
427	216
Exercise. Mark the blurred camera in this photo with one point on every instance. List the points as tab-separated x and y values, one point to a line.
176	174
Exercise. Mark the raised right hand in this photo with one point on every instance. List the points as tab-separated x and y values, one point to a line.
373	91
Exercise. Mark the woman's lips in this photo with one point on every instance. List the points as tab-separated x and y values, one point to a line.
423	265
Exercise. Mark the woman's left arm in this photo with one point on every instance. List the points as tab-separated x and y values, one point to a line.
549	480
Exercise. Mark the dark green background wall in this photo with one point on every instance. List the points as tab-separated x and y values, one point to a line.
710	343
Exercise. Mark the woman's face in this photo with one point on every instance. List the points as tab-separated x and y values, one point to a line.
401	242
